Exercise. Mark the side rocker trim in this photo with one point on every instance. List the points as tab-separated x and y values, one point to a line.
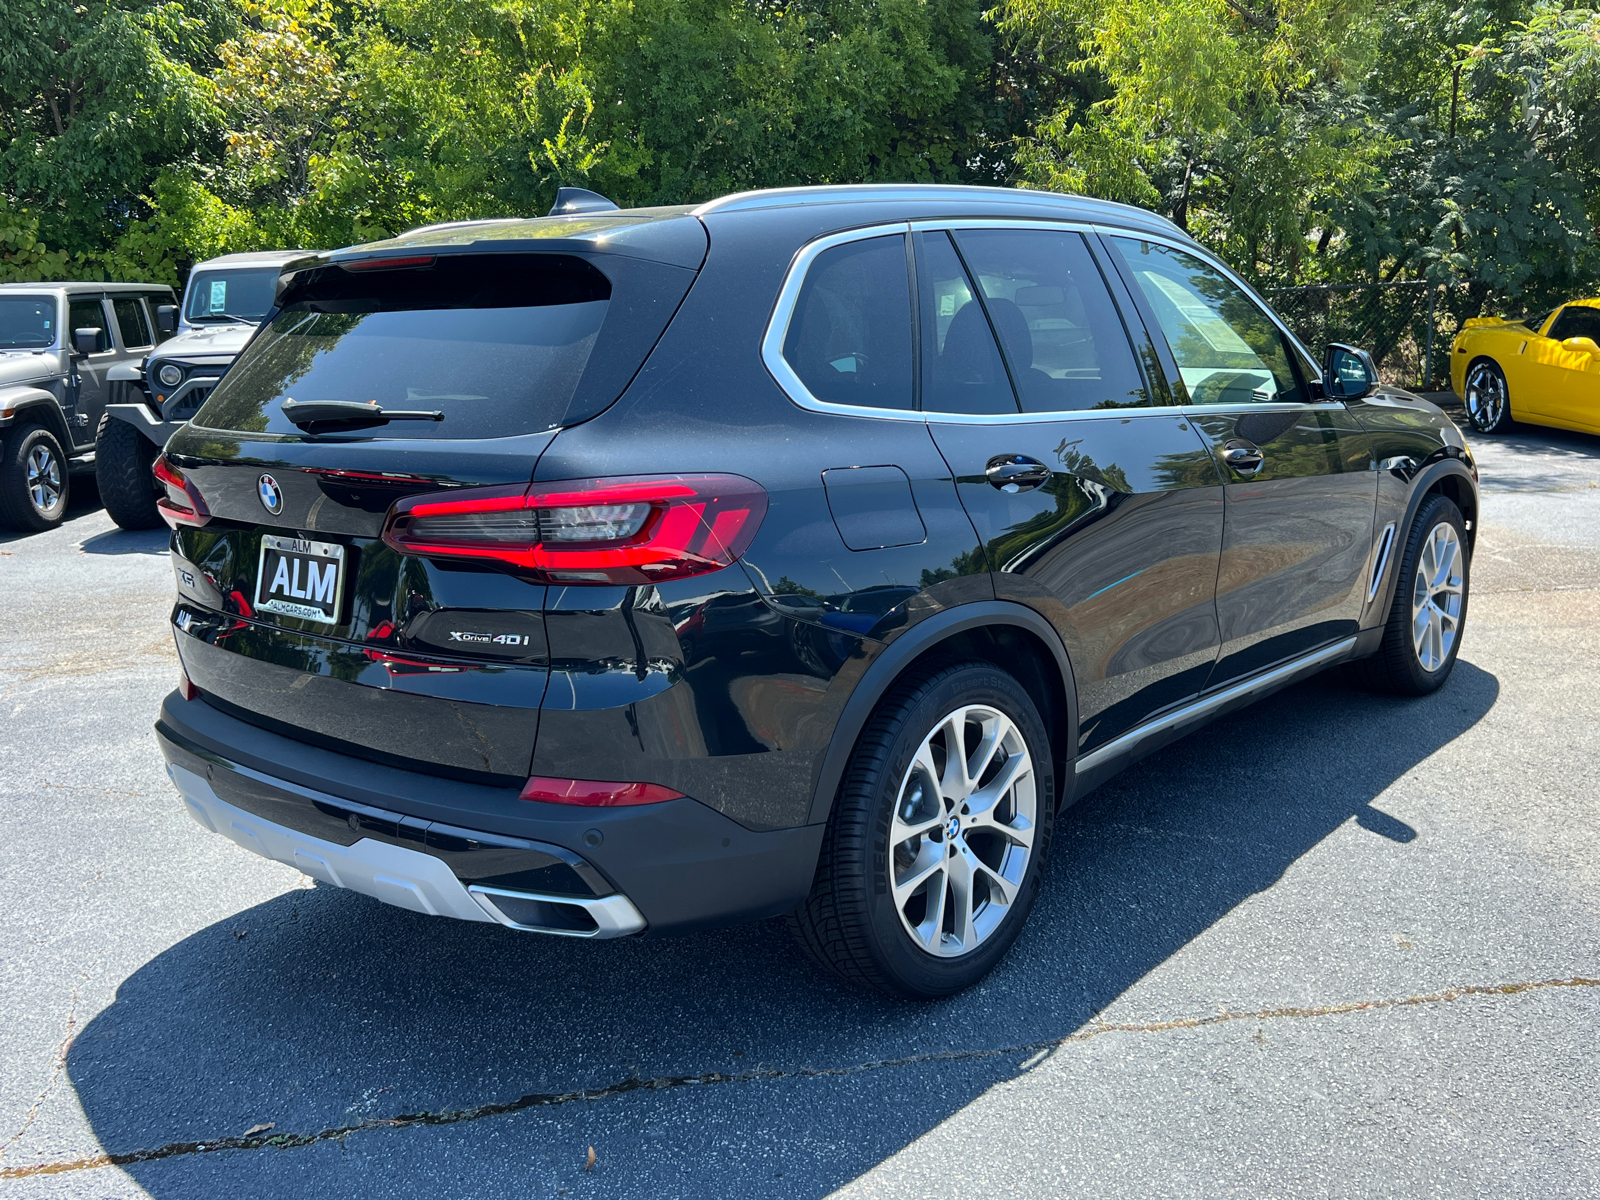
1099	764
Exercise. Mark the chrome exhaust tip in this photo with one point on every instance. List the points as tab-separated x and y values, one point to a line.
564	916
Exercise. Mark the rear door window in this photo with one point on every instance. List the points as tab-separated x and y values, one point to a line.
1228	350
962	371
497	343
132	322
88	314
1062	335
850	338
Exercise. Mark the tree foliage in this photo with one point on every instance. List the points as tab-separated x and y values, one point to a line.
1306	140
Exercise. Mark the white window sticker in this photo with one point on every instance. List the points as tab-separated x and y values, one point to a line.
219	295
1219	335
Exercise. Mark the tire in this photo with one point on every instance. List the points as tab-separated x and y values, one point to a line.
122	462
853	922
1411	664
34	484
1488	397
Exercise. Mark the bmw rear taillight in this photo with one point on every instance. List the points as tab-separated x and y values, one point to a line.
181	503
630	530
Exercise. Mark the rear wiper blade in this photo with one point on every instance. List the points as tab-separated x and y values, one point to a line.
316	412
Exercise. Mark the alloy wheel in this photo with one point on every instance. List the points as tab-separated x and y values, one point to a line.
963	831
1436	595
44	478
1486	396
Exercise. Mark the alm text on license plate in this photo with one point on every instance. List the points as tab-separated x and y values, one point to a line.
301	578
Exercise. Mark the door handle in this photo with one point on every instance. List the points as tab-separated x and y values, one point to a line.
1016	472
1244	457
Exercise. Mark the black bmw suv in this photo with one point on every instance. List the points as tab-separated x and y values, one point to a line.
804	552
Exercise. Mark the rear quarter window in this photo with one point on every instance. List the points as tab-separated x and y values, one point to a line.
849	339
498	343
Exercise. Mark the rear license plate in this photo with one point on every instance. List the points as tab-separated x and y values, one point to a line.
301	578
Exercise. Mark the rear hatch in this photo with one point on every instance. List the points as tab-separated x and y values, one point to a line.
492	336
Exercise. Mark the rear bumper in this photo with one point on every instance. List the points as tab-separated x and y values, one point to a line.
403	877
477	852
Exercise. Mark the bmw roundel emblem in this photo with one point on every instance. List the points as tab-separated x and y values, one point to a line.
270	494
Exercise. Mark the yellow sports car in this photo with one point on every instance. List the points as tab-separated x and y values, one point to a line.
1545	370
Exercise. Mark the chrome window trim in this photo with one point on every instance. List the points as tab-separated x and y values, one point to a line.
783	312
935	223
1211	260
1042	418
1262	406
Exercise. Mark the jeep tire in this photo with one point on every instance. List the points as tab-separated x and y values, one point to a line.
122	461
34	484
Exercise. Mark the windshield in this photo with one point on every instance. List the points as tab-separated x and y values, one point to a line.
27	322
497	344
243	295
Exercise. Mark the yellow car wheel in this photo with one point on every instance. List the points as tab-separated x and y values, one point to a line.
1487	398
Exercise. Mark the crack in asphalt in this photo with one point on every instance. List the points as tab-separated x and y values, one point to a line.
58	1064
1034	1051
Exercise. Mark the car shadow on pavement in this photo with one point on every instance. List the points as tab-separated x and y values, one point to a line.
322	1009
83	498
1543	445
128	541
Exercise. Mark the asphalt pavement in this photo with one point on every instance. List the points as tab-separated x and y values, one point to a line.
1335	945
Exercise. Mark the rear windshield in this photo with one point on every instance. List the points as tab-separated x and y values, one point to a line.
497	343
231	295
27	322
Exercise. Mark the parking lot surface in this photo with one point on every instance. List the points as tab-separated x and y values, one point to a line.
1334	945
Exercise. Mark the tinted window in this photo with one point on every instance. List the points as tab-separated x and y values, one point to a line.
497	343
27	322
1228	349
1062	335
131	322
1576	321
243	295
153	301
87	314
962	371
849	340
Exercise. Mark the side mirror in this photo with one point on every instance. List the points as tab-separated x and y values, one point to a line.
167	318
86	341
1348	372
1582	345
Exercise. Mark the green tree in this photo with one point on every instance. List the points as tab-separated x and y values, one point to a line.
96	100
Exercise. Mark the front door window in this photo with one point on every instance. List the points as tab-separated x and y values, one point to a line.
1228	350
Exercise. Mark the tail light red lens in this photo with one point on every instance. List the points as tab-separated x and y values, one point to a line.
595	793
181	505
629	530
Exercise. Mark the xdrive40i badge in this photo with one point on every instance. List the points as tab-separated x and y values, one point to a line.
498	639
